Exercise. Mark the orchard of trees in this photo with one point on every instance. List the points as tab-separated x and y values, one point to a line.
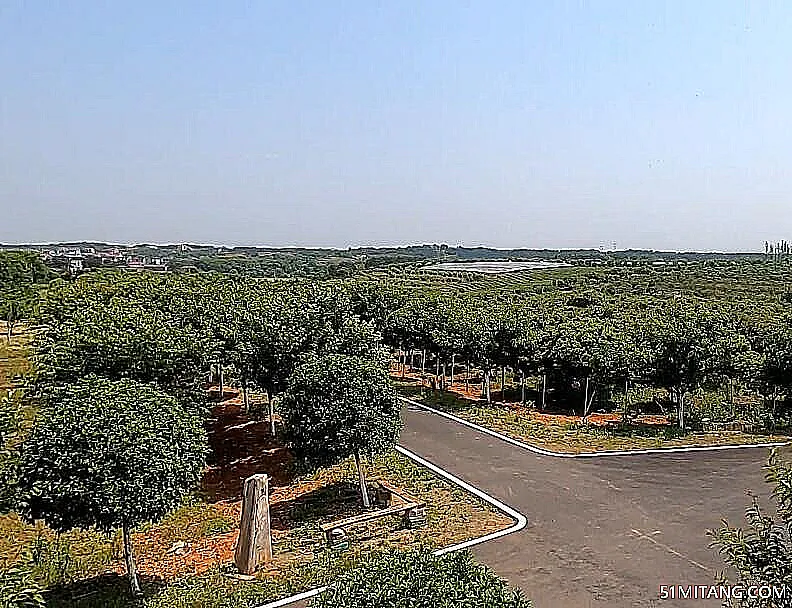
122	363
121	369
599	344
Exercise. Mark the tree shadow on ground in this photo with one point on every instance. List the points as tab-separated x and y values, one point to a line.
242	446
104	591
333	501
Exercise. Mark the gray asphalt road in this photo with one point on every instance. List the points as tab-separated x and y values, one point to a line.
604	531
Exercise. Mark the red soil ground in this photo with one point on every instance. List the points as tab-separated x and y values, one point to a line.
473	393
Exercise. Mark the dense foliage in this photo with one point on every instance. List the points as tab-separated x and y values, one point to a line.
19	589
339	405
20	273
761	555
418	579
109	454
104	453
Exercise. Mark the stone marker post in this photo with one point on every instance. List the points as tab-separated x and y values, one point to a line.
255	543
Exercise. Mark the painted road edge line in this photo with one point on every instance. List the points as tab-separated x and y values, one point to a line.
520	521
543	452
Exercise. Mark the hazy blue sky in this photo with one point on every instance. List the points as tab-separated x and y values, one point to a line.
538	124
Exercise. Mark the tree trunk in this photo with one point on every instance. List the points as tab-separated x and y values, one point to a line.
443	378
404	363
245	396
522	389
775	401
423	362
503	383
680	403
487	386
129	558
467	376
585	400
362	479
453	360
271	409
220	365
437	370
544	390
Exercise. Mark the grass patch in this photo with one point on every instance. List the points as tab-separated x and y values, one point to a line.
83	568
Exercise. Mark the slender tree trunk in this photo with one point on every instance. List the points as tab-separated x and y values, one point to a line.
423	362
487	386
503	383
362	480
443	378
467	376
271	409
437	369
544	390
522	389
585	400
404	364
775	401
245	396
626	405
129	558
678	399
681	409
220	365
453	360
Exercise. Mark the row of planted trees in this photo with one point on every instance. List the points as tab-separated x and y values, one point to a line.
121	363
593	342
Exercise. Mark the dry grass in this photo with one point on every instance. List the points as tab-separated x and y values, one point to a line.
196	541
568	434
14	361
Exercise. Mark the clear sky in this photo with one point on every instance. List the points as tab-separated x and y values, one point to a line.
523	123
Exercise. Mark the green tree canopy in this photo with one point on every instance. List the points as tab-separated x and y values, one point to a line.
109	454
338	405
419	579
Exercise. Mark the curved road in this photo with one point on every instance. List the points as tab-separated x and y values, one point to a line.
605	531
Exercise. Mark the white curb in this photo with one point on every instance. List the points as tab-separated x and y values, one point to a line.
520	522
543	452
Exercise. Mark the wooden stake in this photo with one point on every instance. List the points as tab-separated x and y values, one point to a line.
254	546
362	481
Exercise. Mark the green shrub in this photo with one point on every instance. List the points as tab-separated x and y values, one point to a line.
762	553
419	579
19	589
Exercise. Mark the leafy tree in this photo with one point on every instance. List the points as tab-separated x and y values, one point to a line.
337	406
16	305
109	454
22	268
20	271
92	330
762	554
769	370
689	346
12	432
419	579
